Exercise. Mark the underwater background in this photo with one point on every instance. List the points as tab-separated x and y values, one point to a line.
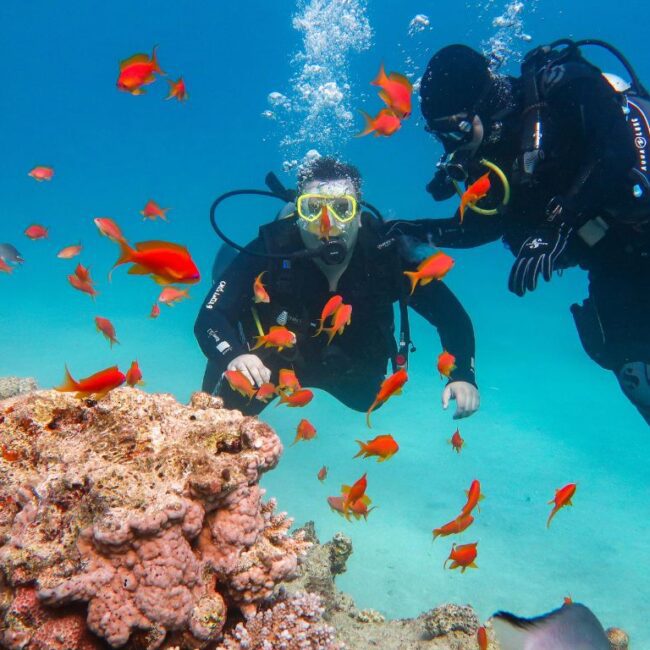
549	416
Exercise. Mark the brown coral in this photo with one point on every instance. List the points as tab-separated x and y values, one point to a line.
145	510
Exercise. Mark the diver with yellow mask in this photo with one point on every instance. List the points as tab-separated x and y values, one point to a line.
324	244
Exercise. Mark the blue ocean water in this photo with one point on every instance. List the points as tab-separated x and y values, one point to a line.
549	416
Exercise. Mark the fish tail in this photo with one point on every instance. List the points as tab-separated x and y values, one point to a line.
331	333
413	277
69	384
548	521
369	127
369	412
260	340
154	60
321	322
126	256
362	449
381	77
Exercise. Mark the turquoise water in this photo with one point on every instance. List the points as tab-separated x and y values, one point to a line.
548	417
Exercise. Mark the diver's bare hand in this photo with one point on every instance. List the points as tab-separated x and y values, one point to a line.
251	366
466	396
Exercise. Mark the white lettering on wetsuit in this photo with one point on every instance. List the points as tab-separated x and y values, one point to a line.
218	292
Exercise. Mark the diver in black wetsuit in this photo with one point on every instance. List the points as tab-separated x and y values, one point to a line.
302	272
572	143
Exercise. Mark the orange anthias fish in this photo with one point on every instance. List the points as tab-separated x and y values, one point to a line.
336	504
96	385
155	311
171	295
324	224
331	306
278	337
562	498
166	262
36	231
298	398
153	211
4	267
260	293
446	363
69	251
396	92
462	556
287	380
306	431
85	286
384	447
322	474
83	272
481	638
454	527
434	267
384	123
106	328
109	228
177	90
134	375
137	71
354	493
265	392
41	173
475	192
341	319
240	383
360	507
390	386
473	497
457	442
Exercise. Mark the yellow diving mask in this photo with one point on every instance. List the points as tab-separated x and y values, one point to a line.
310	207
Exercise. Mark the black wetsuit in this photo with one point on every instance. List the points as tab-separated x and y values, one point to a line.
353	366
589	152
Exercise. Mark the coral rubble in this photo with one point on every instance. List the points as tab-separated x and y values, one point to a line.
12	386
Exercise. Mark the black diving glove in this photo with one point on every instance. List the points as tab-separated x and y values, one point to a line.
541	251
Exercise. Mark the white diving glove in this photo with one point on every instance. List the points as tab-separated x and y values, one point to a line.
466	396
252	368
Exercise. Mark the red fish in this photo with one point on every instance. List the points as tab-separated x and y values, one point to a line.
341	319
336	504
384	123
96	385
354	493
260	293
360	507
331	306
41	173
390	386
239	383
457	442
69	251
454	527
153	211
287	380
475	192
278	337
177	90
166	262
36	232
134	375
473	497
84	286
4	267
433	268
171	295
481	638
109	228
446	363
567	600
107	329
396	92
155	311
297	399
265	392
325	224
322	474
462	556
384	447
306	431
82	272
137	71
562	498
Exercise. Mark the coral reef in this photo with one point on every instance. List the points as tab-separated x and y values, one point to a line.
137	514
618	639
451	618
12	386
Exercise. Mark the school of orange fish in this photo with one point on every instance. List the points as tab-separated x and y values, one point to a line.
168	264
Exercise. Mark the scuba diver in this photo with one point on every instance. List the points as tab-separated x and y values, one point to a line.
566	146
304	267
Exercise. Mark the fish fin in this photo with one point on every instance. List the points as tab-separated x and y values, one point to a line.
157	243
569	503
366	500
136	58
414	278
362	449
260	340
69	384
331	333
368	128
369	412
138	269
126	256
381	77
473	565
426	281
138	91
401	79
345	489
383	95
154	60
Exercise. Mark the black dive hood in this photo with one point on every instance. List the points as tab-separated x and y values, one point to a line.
332	251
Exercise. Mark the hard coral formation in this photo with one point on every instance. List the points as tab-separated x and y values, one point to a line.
12	386
142	512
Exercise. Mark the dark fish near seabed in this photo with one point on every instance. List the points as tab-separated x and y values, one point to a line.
572	627
9	254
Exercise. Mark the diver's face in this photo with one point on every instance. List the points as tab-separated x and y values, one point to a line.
311	232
